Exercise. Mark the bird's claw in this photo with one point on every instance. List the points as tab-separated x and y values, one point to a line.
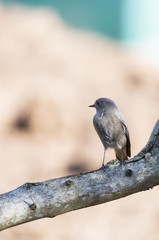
122	162
103	166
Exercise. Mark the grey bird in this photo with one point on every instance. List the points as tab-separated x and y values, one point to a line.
111	128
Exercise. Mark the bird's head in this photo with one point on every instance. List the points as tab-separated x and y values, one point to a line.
104	105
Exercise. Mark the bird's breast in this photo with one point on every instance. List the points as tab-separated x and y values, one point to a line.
109	130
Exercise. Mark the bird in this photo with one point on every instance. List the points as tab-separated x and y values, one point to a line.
111	128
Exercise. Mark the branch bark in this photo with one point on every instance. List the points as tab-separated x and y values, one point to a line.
53	197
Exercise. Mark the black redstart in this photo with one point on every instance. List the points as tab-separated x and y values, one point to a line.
111	127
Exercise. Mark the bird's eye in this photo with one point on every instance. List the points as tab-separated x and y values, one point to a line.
97	103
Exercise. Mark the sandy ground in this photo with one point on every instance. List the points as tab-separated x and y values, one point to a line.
49	74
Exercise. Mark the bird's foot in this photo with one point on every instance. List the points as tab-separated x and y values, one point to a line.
103	166
122	162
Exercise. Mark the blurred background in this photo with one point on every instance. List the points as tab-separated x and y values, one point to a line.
56	58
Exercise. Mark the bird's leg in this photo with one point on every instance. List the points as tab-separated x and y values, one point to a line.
104	157
122	158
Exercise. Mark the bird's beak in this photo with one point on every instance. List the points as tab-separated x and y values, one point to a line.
91	105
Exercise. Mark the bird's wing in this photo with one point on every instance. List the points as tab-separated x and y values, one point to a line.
124	126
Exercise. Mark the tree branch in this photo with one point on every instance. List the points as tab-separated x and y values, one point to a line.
50	198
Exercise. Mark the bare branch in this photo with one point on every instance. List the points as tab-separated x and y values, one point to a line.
50	198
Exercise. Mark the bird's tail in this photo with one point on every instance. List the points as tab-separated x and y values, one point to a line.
118	153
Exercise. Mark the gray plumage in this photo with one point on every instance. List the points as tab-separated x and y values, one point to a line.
112	129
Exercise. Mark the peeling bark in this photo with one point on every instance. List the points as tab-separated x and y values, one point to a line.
53	197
